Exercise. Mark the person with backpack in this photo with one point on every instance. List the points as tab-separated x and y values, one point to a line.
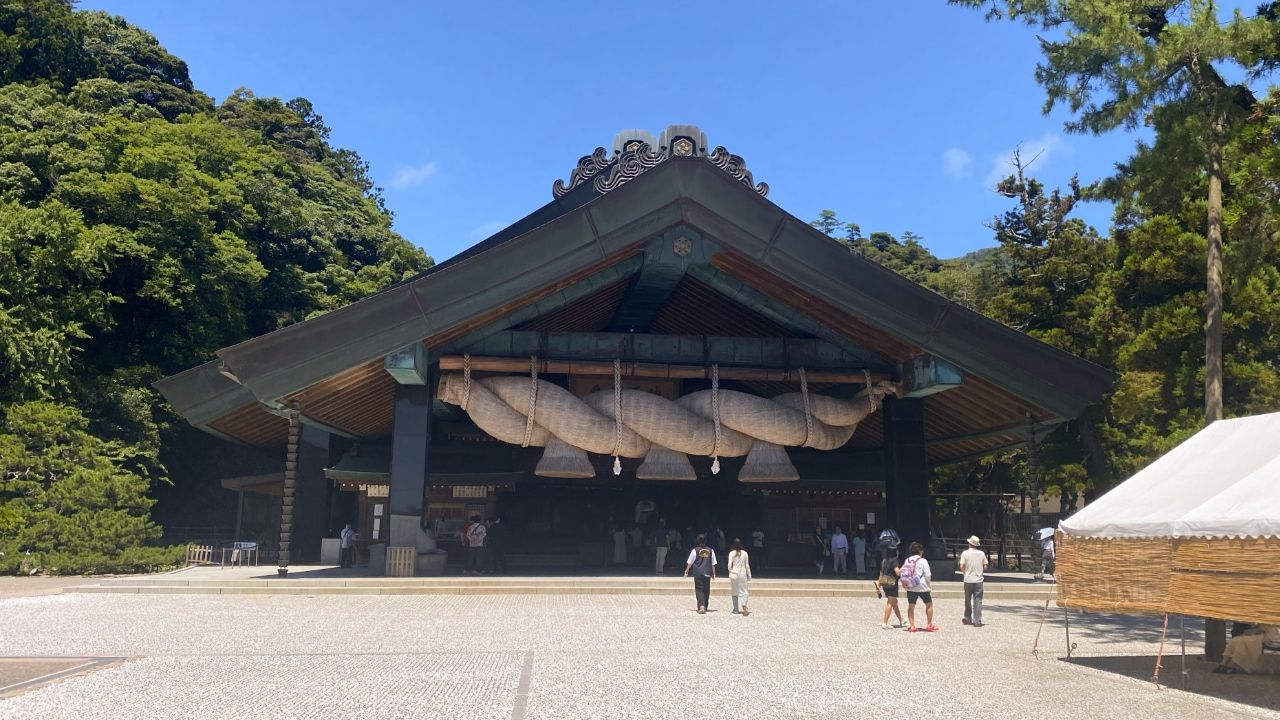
887	587
914	576
702	562
475	533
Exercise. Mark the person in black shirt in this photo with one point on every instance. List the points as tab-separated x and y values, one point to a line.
887	587
702	561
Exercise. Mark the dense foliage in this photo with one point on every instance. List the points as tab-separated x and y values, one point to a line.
1134	301
142	227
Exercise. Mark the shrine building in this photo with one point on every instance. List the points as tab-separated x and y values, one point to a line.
658	341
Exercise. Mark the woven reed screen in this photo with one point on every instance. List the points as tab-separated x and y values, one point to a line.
1113	575
1227	579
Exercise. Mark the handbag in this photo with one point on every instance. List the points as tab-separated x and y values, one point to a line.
887	580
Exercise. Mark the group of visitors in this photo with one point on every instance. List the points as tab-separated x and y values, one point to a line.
916	577
632	547
841	549
701	563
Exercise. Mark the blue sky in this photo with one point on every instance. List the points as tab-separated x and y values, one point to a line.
898	115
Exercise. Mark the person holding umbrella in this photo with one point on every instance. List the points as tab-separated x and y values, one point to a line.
1045	537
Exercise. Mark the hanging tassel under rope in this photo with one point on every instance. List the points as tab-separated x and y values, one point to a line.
715	418
617	415
808	414
533	399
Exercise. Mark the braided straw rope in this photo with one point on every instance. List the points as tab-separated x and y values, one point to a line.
625	423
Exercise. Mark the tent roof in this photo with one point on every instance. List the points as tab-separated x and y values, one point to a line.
1222	482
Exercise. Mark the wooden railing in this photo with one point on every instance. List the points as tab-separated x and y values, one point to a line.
200	554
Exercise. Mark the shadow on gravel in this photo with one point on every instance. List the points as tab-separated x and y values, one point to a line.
1256	690
1100	629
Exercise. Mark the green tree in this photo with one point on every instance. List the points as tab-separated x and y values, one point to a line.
1112	63
142	228
66	505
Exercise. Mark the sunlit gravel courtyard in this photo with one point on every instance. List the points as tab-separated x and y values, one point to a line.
479	657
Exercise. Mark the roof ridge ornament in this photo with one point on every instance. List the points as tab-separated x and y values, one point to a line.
634	153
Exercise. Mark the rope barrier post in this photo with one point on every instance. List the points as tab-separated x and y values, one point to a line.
1043	614
1066	616
1182	630
1155	675
1160	654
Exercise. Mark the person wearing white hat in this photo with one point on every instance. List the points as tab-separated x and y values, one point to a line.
972	563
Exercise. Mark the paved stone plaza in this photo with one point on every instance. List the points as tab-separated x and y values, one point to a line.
502	657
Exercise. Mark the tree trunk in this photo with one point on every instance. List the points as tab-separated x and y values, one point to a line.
1215	631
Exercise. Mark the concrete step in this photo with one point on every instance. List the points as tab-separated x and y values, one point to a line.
529	586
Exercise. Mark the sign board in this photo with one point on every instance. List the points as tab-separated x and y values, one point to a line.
871	518
470	491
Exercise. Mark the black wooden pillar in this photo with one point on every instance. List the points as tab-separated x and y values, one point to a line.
310	494
409	439
906	469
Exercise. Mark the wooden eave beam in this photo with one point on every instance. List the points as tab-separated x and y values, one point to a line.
655	370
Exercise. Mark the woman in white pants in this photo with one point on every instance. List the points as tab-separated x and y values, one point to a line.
739	576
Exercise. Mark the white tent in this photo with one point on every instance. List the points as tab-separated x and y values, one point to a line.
1223	482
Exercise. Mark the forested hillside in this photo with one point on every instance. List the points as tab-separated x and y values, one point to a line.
142	227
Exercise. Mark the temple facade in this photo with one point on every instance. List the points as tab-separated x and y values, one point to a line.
657	343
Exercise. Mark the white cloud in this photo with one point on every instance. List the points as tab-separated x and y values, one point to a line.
956	162
407	176
1035	155
484	230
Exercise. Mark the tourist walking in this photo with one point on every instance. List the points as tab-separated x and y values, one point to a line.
915	576
347	546
661	545
973	563
887	587
839	552
702	563
820	550
739	576
475	534
1046	558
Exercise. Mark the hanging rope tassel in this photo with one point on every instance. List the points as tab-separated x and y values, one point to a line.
617	415
533	399
715	418
808	415
875	399
466	380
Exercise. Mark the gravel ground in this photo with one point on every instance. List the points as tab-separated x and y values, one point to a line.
577	657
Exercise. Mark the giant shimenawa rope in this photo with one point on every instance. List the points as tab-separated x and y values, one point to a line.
500	406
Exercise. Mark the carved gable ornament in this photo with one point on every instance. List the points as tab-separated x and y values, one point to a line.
634	152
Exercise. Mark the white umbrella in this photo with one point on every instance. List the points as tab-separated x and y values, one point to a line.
1044	533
